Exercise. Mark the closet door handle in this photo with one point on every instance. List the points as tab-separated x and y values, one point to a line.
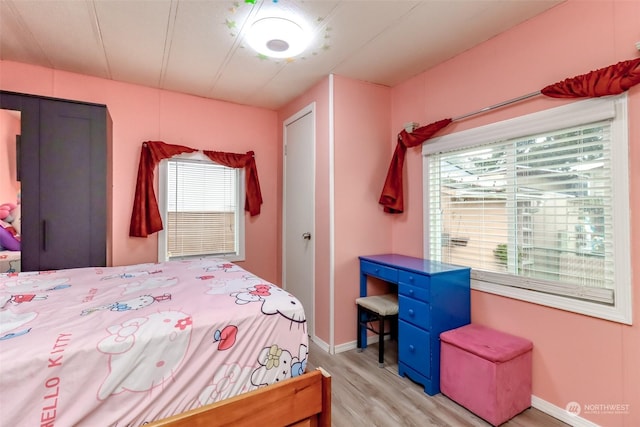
44	235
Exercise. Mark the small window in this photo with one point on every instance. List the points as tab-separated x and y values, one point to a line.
201	209
538	207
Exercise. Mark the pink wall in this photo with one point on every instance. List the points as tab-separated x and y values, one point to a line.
576	358
141	113
320	95
9	128
362	119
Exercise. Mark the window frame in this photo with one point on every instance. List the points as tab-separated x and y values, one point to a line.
576	113
239	255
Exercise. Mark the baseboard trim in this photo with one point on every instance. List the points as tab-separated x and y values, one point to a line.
373	339
560	413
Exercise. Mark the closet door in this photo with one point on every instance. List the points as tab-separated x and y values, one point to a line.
71	186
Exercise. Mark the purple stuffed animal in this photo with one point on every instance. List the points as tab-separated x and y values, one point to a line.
9	236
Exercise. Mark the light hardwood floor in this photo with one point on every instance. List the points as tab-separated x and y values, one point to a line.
365	395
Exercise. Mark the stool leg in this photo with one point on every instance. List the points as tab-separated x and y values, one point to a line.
359	330
381	343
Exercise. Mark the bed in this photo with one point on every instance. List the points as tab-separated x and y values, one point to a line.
130	345
9	261
301	401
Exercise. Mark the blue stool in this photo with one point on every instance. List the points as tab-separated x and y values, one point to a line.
380	309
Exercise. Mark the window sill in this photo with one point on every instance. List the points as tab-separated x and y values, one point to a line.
620	313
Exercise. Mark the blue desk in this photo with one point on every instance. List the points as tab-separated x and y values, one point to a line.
433	297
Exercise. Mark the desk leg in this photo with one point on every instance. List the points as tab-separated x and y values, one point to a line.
359	339
362	332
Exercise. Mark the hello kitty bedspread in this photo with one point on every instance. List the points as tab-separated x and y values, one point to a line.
122	346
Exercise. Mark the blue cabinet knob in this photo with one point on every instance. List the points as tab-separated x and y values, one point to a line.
410	312
411	348
411	292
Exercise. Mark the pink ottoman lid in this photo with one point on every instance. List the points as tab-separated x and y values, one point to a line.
487	343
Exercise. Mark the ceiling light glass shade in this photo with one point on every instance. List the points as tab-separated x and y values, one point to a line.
277	37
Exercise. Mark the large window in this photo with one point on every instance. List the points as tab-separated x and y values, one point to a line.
200	202
538	207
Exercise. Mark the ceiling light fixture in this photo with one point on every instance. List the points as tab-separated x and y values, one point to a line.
277	37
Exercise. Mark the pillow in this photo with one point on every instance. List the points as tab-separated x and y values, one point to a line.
9	239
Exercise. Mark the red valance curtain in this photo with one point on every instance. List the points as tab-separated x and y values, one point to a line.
392	197
253	198
145	218
611	80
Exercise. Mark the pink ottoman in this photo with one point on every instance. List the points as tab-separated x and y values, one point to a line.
486	371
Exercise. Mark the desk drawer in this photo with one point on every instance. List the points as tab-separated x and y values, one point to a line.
419	280
414	292
414	348
380	271
414	311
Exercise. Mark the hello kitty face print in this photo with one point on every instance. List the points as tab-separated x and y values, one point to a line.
278	364
131	366
274	299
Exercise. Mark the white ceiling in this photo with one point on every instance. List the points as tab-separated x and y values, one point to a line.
197	47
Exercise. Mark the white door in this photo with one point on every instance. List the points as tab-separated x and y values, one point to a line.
298	210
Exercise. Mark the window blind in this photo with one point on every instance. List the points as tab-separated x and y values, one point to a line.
202	204
533	212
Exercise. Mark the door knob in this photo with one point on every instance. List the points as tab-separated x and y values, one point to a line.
306	236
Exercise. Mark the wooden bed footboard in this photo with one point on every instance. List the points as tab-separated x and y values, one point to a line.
299	401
